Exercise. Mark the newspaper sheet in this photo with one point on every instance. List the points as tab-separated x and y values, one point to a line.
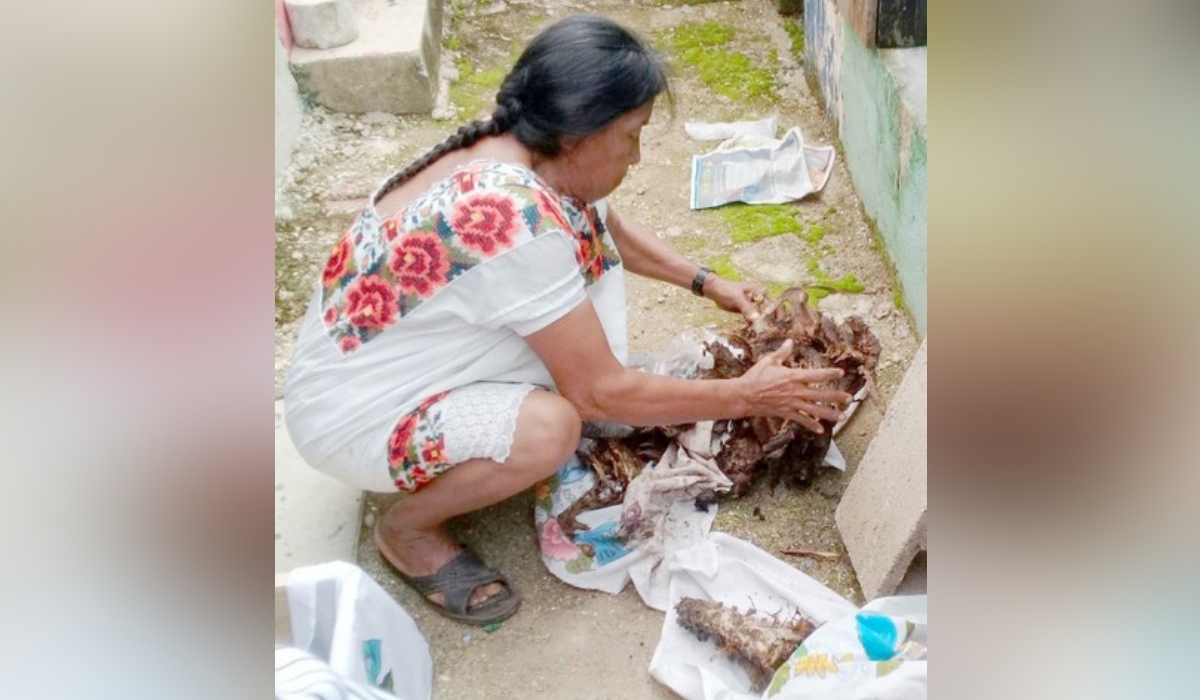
759	170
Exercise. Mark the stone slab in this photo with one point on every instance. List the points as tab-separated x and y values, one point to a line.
316	517
391	66
321	24
882	515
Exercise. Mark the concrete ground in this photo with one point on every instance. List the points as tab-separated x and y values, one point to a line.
568	643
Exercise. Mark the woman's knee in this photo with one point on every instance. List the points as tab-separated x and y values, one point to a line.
548	431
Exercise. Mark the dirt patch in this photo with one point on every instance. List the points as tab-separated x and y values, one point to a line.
565	642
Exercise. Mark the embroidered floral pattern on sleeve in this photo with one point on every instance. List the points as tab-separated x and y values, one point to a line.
379	271
417	446
596	253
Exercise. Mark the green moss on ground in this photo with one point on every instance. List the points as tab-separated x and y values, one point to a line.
814	234
824	284
725	268
701	46
774	289
749	223
795	32
475	90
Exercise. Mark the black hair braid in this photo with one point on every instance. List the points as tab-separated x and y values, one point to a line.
508	106
466	136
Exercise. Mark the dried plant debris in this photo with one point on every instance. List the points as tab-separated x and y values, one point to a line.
614	464
759	643
784	449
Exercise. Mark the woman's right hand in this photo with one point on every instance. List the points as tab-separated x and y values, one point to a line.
794	394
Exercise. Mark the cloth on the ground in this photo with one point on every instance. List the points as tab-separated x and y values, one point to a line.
343	617
836	661
830	664
688	470
666	508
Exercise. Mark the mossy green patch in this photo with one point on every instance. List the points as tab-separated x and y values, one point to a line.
476	89
824	284
749	223
795	32
814	234
725	268
701	47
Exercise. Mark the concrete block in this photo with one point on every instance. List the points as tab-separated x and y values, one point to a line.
882	516
391	67
317	517
321	24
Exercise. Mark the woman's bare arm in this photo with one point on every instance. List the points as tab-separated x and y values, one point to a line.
645	254
586	373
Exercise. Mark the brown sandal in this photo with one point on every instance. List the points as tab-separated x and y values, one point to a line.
456	581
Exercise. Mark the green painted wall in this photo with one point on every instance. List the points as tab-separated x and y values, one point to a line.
887	154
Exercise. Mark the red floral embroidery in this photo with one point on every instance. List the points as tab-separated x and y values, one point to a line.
589	255
432	450
419	476
401	436
585	252
335	267
349	343
390	230
596	266
432	400
486	223
551	208
371	302
331	315
420	264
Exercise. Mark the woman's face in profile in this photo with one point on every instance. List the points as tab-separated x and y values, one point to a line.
598	163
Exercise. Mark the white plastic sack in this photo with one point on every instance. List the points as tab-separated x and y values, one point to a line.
343	617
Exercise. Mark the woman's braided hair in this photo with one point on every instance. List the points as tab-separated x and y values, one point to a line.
574	78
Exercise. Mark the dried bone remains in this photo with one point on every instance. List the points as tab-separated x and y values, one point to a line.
783	448
780	448
760	644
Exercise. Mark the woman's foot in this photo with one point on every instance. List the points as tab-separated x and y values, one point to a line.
420	554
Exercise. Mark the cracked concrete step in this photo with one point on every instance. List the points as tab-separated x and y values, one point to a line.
391	67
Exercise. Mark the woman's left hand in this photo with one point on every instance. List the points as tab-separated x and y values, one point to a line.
734	296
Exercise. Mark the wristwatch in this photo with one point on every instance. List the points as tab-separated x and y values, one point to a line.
698	281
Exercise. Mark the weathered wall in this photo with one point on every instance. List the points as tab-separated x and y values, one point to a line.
878	99
288	108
